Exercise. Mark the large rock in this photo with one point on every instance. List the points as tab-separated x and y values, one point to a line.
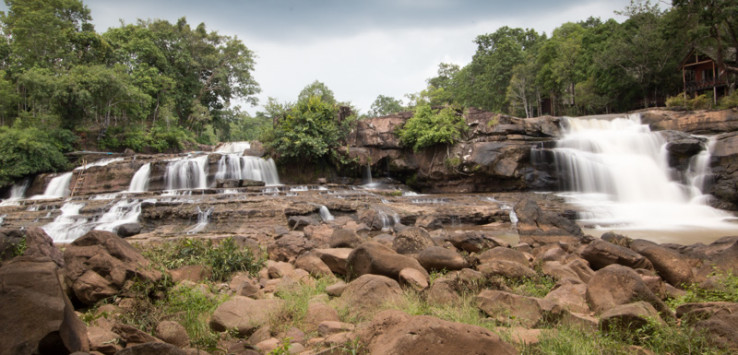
396	333
99	263
374	258
437	258
628	317
507	269
369	292
37	317
719	320
343	238
474	242
600	253
128	229
670	265
569	296
38	244
412	240
615	285
244	314
509	308
288	246
172	333
532	220
335	258
506	254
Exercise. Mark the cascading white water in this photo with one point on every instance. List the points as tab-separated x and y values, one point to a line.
619	175
140	180
120	213
234	167
69	225
368	175
57	187
101	162
325	214
187	173
233	147
203	218
17	192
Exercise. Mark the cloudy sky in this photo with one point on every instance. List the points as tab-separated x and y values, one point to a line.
359	49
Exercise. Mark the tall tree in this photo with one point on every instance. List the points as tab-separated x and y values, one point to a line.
385	105
712	23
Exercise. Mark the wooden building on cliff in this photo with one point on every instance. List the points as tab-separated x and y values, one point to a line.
701	73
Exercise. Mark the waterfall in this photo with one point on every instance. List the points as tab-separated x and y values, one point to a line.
233	147
140	180
187	173
325	214
368	175
619	174
57	187
120	213
203	218
101	162
17	192
234	167
69	225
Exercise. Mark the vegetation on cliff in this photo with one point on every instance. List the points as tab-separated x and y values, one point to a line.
427	128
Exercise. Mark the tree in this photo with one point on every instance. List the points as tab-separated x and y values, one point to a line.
712	23
319	89
427	128
385	105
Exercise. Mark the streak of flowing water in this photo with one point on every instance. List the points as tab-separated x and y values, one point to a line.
325	214
69	225
203	218
101	162
17	192
618	173
235	167
233	147
140	180
120	213
187	173
57	187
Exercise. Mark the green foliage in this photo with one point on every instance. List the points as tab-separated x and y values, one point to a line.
297	297
729	101
427	128
225	257
20	248
317	89
724	289
699	102
28	151
385	105
158	139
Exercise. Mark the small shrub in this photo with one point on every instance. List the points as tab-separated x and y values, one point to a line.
427	128
729	101
725	290
297	299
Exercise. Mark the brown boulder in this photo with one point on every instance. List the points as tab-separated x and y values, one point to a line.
474	242
615	285
628	317
508	269
99	263
509	308
437	258
670	265
506	254
371	291
313	264
600	253
38	244
288	246
373	258
172	333
343	238
244	314
412	240
569	296
317	313
37	316
103	340
396	333
335	258
719	320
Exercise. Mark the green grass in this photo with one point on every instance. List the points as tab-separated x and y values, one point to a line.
725	290
297	298
225	257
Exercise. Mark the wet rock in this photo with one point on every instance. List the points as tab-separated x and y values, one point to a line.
128	229
600	253
412	240
373	258
394	332
437	258
37	316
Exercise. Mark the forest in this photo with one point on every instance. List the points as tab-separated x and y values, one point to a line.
156	86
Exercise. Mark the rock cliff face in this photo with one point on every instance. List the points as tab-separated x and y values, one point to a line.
494	156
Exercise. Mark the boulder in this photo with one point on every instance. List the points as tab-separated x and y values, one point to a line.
393	332
336	290
104	341
37	316
244	314
313	264
373	258
569	296
132	335
288	246
343	238
532	220
670	265
335	258
327	328
560	272
412	240
38	244
99	263
371	291
719	320
318	313
300	222
474	242
442	292
152	349
279	269
172	333
437	258
413	277
509	308
505	254
615	285
507	269
128	229
628	317
600	253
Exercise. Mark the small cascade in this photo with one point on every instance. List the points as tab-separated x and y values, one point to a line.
17	193
69	225
698	171
388	222
187	173
367	178
120	213
233	147
101	162
506	207
325	214
234	167
203	218
140	180
618	173
57	187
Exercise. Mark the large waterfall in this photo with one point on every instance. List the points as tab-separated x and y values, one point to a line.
187	173
234	167
618	173
140	180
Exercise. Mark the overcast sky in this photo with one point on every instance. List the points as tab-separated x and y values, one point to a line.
359	49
